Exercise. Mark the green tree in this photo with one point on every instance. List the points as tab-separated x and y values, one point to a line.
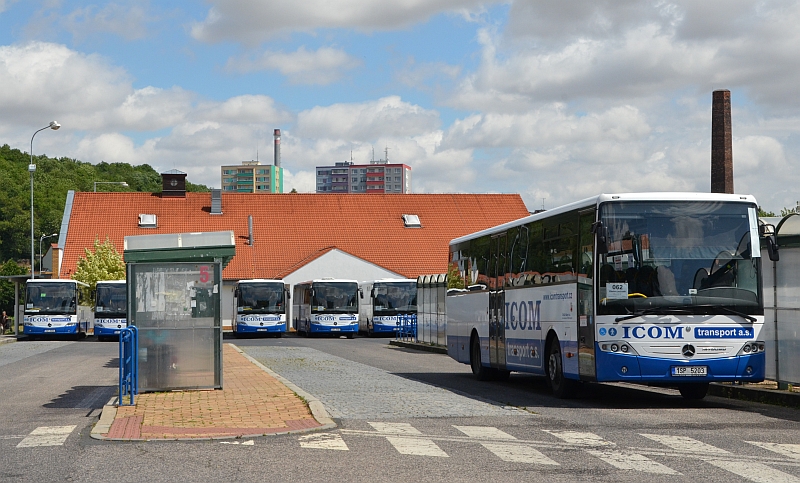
764	214
7	288
104	263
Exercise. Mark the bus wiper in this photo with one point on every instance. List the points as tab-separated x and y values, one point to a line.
653	310
727	310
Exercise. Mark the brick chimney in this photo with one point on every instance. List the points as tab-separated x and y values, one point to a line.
721	143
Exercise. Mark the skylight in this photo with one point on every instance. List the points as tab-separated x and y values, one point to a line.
411	221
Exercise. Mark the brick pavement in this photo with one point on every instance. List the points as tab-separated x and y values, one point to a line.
251	403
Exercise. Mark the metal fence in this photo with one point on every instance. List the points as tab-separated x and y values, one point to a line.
128	365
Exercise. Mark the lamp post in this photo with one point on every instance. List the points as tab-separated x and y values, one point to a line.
32	168
121	183
40	250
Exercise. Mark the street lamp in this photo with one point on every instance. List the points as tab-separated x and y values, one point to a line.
121	183
32	168
40	250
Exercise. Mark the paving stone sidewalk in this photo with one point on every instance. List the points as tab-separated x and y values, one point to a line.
253	402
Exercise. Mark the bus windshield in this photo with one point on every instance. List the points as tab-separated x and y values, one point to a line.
335	297
678	258
261	298
111	300
51	298
395	297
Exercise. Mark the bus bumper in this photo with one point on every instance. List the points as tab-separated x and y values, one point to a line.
613	367
33	330
258	329
384	328
332	329
107	332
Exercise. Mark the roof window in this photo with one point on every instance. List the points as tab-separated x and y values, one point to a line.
147	221
411	221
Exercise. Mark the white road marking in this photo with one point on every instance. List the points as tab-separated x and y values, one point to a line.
484	432
752	471
580	439
416	446
323	441
518	453
395	428
246	443
47	436
684	443
631	461
790	450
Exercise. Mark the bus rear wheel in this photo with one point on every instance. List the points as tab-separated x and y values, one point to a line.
481	372
694	391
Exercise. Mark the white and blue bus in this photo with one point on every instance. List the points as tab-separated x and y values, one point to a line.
110	309
326	306
385	303
259	307
652	288
55	307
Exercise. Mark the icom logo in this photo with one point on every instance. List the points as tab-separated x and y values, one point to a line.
652	332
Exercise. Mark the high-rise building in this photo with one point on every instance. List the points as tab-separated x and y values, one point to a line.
252	177
376	177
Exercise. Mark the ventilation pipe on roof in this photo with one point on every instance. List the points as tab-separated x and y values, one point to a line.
250	230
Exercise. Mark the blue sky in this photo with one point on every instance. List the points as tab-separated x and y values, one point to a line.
556	101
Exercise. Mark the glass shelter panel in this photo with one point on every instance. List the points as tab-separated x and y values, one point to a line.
175	306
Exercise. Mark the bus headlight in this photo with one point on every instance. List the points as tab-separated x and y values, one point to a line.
619	347
754	347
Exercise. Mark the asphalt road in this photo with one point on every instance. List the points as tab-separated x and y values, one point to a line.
403	415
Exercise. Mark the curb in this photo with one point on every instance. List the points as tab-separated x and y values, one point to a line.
314	404
419	346
754	394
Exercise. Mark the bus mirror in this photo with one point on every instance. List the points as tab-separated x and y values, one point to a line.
602	237
372	294
361	292
288	294
768	232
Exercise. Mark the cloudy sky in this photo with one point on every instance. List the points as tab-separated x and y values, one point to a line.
554	100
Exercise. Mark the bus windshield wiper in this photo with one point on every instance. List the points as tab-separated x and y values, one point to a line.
652	311
728	310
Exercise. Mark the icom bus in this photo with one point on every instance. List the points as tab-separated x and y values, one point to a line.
659	289
385	302
259	307
55	307
110	309
326	306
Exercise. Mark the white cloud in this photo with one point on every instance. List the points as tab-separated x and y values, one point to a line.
319	67
252	21
365	122
126	21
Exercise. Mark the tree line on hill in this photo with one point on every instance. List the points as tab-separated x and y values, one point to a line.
53	178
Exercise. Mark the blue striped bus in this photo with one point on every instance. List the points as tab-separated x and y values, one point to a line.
653	288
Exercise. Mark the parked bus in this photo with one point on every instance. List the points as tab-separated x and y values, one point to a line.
384	304
57	307
326	306
259	307
659	288
110	309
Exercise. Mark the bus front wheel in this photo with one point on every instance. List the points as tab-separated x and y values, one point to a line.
562	387
694	391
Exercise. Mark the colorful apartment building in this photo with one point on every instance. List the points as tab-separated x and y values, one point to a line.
252	177
378	177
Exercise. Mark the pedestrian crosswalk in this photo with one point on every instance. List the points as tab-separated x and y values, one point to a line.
779	464
46	436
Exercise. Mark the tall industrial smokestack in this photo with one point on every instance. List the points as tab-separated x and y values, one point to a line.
277	148
721	143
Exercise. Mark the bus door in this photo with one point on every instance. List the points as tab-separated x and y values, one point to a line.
497	302
586	321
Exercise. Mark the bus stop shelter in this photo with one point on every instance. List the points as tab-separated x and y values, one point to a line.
174	283
16	280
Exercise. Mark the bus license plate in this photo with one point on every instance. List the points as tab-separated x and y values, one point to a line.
261	330
689	370
49	330
335	330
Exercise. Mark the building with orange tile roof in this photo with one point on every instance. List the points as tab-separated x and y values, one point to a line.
295	237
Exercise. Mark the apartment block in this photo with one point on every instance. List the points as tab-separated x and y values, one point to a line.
252	177
377	177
